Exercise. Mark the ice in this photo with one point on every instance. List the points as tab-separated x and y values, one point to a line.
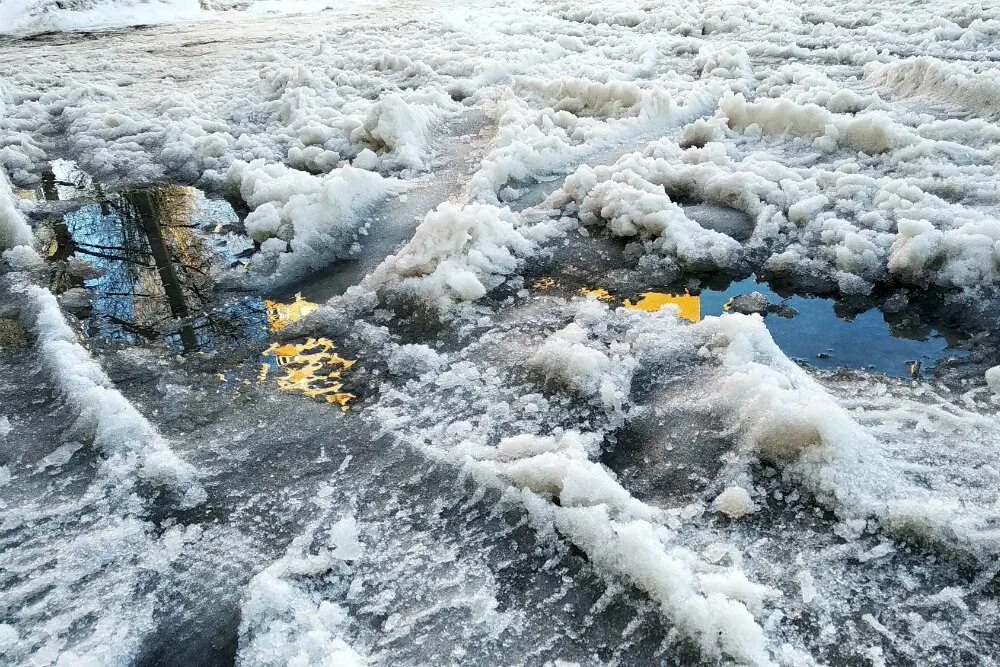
284	623
973	88
303	222
734	502
456	254
133	448
566	358
14	231
993	379
33	16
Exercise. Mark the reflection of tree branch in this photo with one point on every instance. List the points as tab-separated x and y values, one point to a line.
113	258
108	247
195	291
131	327
187	267
138	295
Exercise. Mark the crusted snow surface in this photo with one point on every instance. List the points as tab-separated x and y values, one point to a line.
300	222
543	442
36	16
525	475
283	624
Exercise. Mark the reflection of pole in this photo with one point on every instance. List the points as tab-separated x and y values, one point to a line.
49	190
148	215
189	338
148	219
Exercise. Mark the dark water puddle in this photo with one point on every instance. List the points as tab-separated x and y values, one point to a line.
156	251
63	181
811	329
819	334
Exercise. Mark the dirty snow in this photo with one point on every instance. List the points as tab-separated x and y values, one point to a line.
526	473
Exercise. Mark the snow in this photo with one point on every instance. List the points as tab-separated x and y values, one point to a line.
303	222
993	379
284	623
566	358
134	450
788	418
34	16
456	255
976	89
14	231
523	467
22	258
734	502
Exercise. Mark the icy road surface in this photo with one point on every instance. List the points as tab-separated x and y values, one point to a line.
520	333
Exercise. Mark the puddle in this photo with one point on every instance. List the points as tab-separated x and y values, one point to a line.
312	368
808	329
280	315
688	306
139	265
63	181
818	336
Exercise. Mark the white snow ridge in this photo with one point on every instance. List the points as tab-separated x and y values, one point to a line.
506	332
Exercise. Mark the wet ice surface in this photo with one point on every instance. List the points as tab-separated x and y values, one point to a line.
301	415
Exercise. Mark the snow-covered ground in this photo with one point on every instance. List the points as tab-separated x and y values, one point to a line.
511	429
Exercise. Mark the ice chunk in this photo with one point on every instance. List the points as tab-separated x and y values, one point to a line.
734	502
993	379
566	359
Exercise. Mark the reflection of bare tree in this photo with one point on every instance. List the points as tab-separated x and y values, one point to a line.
157	267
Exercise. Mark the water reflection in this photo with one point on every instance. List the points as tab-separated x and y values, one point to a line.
312	368
689	306
811	329
280	315
63	181
598	293
151	262
545	283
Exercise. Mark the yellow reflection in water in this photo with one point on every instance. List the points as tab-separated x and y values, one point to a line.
280	315
311	368
546	283
689	305
600	294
